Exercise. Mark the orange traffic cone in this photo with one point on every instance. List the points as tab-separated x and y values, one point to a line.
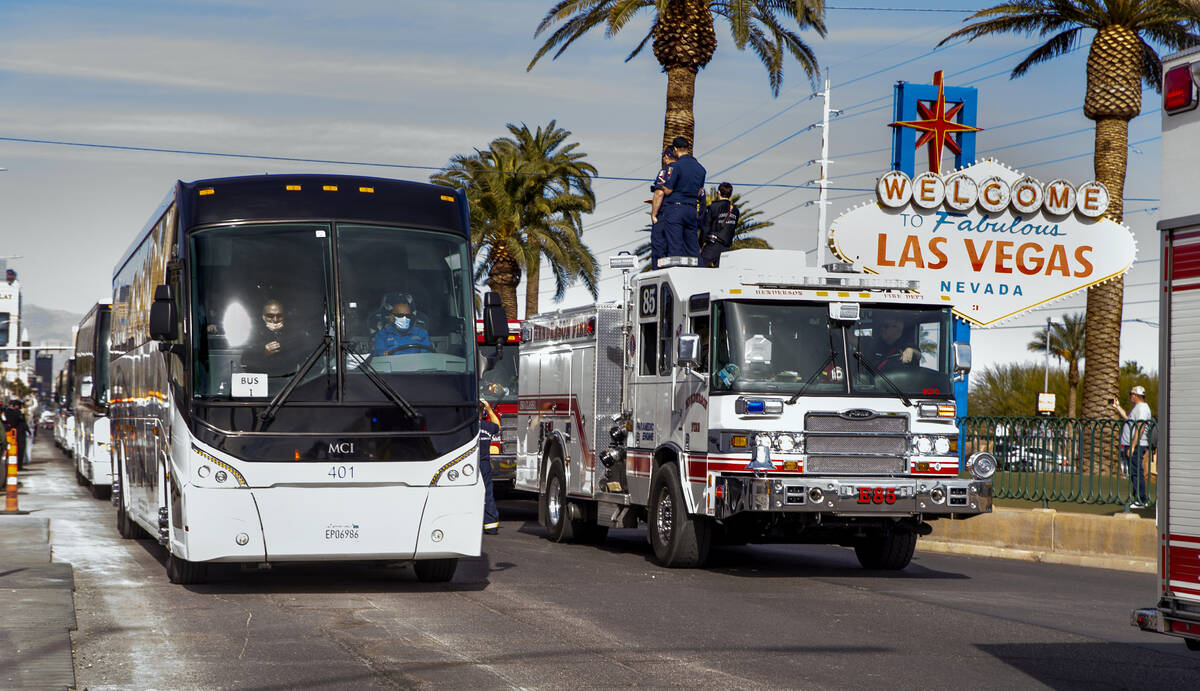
10	491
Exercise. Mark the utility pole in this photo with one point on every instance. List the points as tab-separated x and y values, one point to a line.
823	181
1046	381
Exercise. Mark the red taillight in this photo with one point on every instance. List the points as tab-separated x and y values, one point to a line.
1179	92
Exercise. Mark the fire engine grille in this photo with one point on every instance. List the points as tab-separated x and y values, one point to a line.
508	434
840	444
833	422
855	465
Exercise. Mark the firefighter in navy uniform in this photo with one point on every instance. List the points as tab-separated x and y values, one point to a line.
489	431
683	192
658	238
718	226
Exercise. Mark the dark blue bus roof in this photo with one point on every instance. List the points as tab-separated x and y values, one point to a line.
308	196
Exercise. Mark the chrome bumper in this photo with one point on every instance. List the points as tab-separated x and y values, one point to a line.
864	496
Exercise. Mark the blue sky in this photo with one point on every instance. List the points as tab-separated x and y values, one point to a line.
413	83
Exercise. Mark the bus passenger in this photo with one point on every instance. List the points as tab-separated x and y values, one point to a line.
274	348
401	334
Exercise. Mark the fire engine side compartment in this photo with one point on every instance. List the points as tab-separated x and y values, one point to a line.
1177	611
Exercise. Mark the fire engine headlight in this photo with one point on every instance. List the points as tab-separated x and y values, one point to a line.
941	445
785	442
982	465
923	445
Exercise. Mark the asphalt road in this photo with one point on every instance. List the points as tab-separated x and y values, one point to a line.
531	613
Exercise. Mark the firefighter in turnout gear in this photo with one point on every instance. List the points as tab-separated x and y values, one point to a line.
718	226
489	431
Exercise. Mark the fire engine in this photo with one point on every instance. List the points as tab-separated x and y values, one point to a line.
1177	611
761	401
498	386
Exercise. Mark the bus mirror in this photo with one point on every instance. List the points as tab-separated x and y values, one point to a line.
163	316
495	321
962	357
487	361
687	352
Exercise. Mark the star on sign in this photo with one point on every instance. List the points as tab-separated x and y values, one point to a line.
938	125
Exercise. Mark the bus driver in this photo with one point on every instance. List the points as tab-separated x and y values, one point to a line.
401	334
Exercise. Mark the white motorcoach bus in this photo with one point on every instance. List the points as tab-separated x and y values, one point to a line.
89	401
266	404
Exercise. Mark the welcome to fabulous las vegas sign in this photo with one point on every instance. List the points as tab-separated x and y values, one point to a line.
990	241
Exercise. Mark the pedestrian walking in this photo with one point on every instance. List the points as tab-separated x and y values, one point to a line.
489	430
658	238
718	226
1134	442
679	209
14	419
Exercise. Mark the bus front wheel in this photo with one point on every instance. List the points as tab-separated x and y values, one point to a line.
435	570
184	572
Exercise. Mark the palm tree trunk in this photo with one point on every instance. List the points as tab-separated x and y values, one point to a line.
504	278
1072	387
1102	347
532	273
681	95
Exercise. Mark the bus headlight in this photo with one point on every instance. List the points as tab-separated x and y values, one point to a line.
210	471
452	473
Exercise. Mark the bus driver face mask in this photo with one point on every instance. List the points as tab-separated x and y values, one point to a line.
403	321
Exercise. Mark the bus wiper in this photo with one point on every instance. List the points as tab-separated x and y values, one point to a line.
813	377
267	415
373	375
886	379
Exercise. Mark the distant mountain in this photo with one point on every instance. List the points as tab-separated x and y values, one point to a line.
50	327
47	325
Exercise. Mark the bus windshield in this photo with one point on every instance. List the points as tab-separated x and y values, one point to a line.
266	299
786	347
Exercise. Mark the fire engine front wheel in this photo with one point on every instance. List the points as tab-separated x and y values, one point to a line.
679	539
889	551
559	526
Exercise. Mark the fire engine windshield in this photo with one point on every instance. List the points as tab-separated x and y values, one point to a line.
787	347
499	384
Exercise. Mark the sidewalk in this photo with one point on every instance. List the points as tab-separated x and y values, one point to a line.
37	604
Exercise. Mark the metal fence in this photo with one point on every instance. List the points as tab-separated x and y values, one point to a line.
1062	459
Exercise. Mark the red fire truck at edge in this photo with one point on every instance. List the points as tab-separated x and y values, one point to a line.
498	386
1177	612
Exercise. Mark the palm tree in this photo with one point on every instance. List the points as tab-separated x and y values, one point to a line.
561	188
1119	58
684	39
527	198
748	223
1067	344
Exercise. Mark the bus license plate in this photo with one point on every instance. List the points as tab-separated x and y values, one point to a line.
881	496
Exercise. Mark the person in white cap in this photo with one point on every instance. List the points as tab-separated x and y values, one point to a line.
1135	440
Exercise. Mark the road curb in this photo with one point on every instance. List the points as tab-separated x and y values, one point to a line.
39	608
1126	542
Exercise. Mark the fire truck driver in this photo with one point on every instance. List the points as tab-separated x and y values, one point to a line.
401	334
890	347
